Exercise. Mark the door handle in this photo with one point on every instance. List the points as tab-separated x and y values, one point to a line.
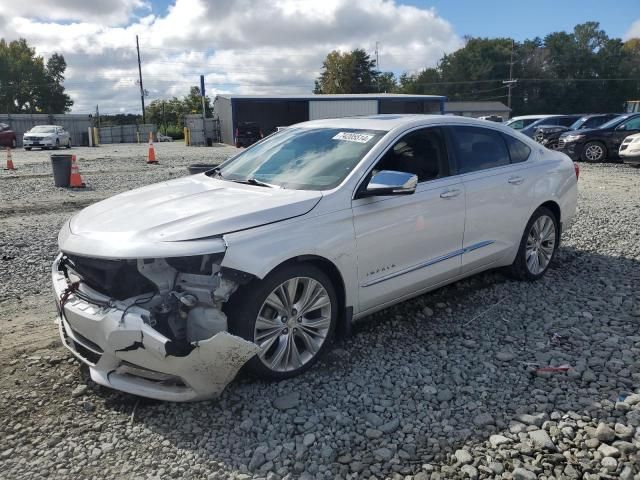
454	192
516	180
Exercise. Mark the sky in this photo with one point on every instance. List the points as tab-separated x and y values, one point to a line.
268	46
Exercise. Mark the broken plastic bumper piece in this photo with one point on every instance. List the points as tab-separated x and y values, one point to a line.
125	353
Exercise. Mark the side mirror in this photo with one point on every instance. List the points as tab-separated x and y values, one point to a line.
390	182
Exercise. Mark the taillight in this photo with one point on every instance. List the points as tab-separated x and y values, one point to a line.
576	168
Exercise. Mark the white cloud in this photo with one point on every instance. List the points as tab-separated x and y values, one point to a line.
244	46
113	12
634	30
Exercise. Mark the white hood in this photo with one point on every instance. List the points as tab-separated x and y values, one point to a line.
186	209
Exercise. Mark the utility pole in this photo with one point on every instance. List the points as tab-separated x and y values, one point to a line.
164	124
204	121
144	117
511	82
97	116
378	67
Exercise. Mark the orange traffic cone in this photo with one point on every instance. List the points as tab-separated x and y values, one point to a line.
10	165
75	180
152	153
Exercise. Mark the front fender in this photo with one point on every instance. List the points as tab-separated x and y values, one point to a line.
331	236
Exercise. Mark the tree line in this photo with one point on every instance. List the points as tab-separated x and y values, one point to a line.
581	71
28	84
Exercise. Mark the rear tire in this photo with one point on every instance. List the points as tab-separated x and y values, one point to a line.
291	340
69	143
57	144
14	143
537	247
594	152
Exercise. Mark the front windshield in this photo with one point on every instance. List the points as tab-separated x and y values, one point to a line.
302	158
614	121
43	130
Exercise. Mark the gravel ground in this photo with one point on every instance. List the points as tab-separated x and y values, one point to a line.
438	387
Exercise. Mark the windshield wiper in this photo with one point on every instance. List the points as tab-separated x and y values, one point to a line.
255	181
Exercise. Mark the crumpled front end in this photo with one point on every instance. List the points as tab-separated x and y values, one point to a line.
150	327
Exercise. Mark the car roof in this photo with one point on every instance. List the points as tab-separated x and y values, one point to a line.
53	126
388	122
527	117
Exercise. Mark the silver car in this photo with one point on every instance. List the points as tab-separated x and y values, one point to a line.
166	291
46	136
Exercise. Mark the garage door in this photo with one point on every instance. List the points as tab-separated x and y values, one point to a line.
341	108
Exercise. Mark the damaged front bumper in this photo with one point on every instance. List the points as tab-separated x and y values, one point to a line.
124	352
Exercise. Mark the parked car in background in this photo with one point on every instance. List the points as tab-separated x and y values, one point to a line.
554	120
264	258
598	144
518	123
492	118
46	136
7	136
164	138
549	135
247	133
630	150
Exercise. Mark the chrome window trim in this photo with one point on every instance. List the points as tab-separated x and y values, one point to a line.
428	263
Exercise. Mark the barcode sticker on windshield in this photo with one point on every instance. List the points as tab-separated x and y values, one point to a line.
353	137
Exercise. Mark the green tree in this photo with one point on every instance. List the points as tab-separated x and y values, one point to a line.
27	85
387	83
349	72
566	72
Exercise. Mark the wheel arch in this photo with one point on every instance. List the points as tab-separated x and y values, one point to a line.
345	313
555	209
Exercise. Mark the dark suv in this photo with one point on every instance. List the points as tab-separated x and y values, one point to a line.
247	133
555	120
548	135
598	144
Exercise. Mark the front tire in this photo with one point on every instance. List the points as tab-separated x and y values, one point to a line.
69	143
291	315
594	152
14	143
57	144
537	246
27	148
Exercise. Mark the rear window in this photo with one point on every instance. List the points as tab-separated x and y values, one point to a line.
518	151
479	148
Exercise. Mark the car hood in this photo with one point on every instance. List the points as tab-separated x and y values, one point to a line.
587	131
189	208
36	134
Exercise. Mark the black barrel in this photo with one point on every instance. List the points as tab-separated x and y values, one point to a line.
61	166
200	167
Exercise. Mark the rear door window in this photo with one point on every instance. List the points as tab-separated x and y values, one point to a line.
478	148
518	151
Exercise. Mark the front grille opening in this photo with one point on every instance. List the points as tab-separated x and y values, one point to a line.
86	354
119	279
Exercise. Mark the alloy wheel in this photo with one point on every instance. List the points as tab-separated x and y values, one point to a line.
293	323
594	152
541	242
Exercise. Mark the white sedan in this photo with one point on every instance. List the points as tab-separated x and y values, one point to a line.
46	136
167	290
630	150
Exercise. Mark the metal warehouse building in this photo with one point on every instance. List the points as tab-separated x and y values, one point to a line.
272	111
